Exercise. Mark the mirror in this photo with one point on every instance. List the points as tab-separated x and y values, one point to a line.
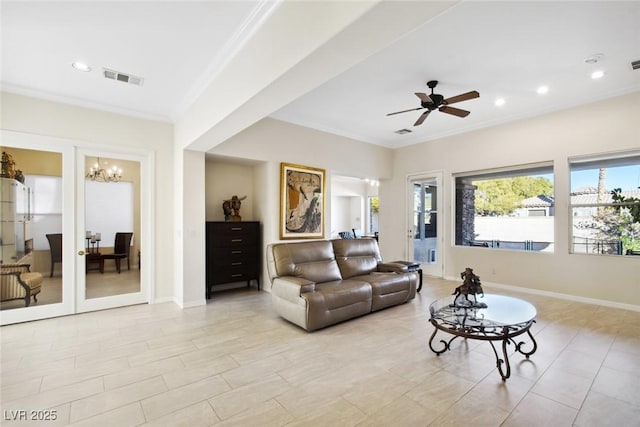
112	222
31	209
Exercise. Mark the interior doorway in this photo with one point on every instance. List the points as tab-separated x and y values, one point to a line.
425	225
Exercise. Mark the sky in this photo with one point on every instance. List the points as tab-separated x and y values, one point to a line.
625	177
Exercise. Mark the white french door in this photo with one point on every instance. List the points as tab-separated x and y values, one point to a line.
54	171
425	225
112	203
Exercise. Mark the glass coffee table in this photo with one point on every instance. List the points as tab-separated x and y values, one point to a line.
503	319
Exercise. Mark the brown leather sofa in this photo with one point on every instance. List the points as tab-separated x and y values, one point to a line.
323	282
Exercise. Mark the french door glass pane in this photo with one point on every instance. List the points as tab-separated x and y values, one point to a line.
31	228
112	222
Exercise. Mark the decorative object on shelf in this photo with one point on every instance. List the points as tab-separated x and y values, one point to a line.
231	208
470	286
93	242
19	176
98	173
301	202
8	166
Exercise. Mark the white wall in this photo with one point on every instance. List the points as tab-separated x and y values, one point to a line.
96	128
272	140
189	286
606	126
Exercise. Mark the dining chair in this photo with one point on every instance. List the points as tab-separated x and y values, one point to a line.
55	247
121	250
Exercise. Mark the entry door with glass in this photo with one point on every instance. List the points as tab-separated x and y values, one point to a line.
425	227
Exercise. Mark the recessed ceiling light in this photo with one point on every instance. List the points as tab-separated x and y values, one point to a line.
542	90
594	59
500	102
597	74
81	66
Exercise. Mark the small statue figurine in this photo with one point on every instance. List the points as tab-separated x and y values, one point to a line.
231	208
470	286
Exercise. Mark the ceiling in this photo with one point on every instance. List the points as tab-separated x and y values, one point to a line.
176	47
500	49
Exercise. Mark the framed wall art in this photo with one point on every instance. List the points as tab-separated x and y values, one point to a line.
302	191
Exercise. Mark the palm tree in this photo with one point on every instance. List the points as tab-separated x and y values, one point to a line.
602	188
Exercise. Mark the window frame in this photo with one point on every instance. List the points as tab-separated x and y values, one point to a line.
593	162
512	171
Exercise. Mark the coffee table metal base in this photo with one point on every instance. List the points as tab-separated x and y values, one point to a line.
506	334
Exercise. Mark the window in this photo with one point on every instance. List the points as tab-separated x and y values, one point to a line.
605	205
373	202
507	209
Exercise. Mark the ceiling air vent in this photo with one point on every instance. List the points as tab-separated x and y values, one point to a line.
122	77
635	64
403	131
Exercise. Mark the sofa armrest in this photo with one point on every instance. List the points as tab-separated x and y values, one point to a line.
21	268
291	288
392	267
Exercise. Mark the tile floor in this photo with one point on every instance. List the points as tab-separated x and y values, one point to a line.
235	363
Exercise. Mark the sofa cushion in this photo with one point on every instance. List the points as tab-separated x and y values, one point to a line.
390	289
314	261
337	301
341	293
356	257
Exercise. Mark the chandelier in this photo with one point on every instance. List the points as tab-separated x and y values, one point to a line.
98	173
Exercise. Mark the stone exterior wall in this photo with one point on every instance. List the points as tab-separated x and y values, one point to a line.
465	213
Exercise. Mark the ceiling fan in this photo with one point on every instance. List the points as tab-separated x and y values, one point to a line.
437	102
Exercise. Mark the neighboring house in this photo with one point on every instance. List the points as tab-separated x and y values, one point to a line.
582	200
536	206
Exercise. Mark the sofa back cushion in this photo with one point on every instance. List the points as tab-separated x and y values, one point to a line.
356	257
314	261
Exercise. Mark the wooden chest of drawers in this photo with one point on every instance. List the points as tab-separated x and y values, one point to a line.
233	253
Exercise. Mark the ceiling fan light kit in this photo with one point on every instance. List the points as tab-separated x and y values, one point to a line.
436	101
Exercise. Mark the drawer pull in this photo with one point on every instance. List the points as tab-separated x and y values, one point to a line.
236	240
236	228
236	263
236	252
237	275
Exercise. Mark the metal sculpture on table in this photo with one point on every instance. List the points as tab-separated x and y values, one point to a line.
470	286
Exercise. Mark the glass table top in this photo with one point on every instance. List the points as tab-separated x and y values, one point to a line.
501	310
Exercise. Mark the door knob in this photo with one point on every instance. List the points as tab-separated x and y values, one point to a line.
81	253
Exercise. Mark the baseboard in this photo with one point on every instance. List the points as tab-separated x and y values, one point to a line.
558	295
196	303
180	304
165	299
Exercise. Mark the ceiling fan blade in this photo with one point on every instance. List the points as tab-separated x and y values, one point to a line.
405	111
422	118
455	111
424	97
461	97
